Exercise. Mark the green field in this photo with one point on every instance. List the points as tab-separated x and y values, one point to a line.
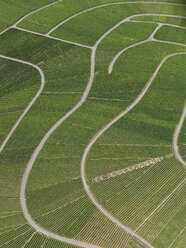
81	29
162	19
18	87
145	188
44	20
12	10
172	34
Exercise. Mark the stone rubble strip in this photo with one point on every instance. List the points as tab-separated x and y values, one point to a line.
130	168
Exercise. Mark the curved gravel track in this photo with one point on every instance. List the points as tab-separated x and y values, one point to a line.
136	101
94	50
36	152
109	4
34	11
32	101
30	13
151	37
176	135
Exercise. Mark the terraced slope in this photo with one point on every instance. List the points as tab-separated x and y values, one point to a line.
91	158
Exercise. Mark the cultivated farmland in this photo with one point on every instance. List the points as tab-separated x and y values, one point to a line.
92	128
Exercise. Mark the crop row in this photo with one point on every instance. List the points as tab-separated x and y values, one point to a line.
151	189
162	19
52	243
62	220
20	240
101	231
162	216
5	237
12	11
36	241
171	34
76	30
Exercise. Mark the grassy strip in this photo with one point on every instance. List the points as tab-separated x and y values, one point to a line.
83	30
171	34
173	227
19	84
13	10
59	161
163	19
46	19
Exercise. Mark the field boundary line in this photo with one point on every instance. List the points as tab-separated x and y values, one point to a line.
30	13
21	234
36	152
45	138
140	165
108	4
29	239
53	38
174	214
156	22
31	102
34	11
169	42
149	39
131	106
13	228
160	205
176	135
177	237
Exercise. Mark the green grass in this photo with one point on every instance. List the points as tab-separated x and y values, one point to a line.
55	195
36	241
162	217
81	28
138	128
46	19
179	242
63	150
162	19
19	84
181	141
152	122
171	34
13	10
52	243
172	230
55	60
134	243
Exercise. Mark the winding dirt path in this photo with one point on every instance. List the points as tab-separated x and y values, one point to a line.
136	101
32	101
108	4
176	135
83	99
